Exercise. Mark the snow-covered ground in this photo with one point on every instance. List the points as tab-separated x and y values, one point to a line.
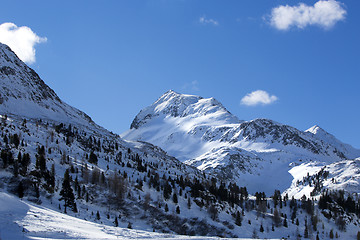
25	220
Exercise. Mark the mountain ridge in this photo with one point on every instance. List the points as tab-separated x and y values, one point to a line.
24	93
201	132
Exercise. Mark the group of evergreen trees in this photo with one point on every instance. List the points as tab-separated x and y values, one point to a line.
173	187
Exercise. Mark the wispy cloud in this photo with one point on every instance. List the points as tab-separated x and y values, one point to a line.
258	97
21	40
208	21
191	86
324	13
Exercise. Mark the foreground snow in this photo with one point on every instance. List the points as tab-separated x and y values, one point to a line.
24	220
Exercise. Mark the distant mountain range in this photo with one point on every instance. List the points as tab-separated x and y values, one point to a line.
258	154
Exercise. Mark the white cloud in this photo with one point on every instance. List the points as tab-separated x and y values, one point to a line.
206	21
191	86
21	40
324	13
258	97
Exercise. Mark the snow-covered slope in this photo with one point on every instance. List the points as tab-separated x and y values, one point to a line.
23	93
24	220
202	133
319	133
310	179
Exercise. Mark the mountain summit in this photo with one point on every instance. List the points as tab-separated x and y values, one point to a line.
201	132
185	106
23	93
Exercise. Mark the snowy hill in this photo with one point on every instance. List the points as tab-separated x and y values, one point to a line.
202	133
41	222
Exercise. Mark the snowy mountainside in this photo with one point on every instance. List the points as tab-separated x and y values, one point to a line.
44	140
43	222
58	162
24	93
326	137
202	133
311	180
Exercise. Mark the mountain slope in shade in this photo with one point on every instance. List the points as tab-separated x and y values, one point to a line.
320	134
23	93
202	133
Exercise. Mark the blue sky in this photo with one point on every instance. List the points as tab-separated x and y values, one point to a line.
113	58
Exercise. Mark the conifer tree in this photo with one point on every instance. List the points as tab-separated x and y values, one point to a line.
116	222
67	193
175	198
20	190
285	223
306	232
41	162
238	219
93	158
276	218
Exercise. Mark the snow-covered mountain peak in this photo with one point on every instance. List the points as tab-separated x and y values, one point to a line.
316	130
201	132
173	104
322	135
23	93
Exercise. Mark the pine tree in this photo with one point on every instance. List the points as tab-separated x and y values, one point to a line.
97	215
276	218
189	203
52	175
175	198
67	193
93	158
24	164
16	168
306	232
116	222
20	190
238	219
285	223
166	208
261	228
178	210
41	162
